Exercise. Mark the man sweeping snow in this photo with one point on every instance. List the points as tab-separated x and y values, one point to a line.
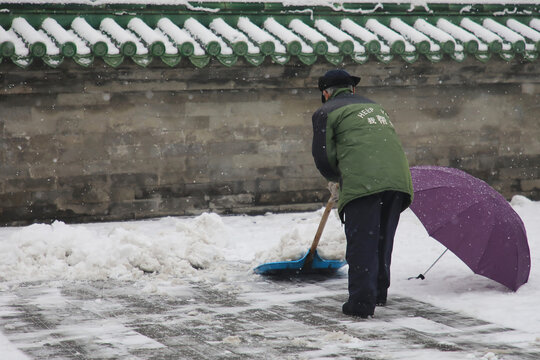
355	144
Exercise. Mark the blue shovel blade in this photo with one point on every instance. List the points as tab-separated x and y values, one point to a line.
318	265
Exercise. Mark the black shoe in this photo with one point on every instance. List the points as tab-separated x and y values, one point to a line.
381	297
347	309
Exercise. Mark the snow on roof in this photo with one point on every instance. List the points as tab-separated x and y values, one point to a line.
397	43
54	29
339	36
358	31
523	29
433	31
328	3
255	32
145	32
279	36
286	35
210	40
51	48
480	31
180	37
501	30
20	46
232	35
260	36
332	31
81	27
80	44
535	23
26	31
122	36
460	34
309	33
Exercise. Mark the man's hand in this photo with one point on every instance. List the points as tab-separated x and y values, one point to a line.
334	191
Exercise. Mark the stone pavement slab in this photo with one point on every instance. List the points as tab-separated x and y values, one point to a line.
250	317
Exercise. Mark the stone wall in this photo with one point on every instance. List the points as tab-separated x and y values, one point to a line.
107	144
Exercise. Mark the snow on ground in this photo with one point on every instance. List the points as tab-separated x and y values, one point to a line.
203	248
452	285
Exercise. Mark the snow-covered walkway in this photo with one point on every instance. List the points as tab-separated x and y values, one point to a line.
262	319
183	288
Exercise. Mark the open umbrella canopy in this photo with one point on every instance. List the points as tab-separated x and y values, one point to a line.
474	221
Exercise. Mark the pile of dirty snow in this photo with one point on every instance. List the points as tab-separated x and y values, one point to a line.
294	244
169	247
195	248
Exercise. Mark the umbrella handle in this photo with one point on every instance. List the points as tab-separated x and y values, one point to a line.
318	234
421	276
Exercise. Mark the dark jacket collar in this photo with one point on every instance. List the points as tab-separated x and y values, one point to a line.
340	92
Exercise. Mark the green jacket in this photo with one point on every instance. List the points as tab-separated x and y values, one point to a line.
355	143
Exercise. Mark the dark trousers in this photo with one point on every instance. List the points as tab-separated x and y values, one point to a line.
370	226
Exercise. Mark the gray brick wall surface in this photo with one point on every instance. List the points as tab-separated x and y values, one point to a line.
112	144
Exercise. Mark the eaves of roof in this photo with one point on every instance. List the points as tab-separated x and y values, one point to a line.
257	31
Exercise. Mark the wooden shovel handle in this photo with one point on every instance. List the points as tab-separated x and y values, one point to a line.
315	243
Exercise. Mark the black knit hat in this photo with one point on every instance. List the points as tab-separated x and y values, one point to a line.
337	78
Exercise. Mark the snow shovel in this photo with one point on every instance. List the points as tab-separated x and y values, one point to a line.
311	262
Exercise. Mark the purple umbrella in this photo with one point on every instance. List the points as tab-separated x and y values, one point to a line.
474	221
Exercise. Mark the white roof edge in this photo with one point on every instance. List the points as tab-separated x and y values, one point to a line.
329	3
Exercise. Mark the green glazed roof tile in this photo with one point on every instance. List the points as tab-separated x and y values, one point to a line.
227	32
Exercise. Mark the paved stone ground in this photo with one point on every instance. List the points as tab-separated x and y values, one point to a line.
251	318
